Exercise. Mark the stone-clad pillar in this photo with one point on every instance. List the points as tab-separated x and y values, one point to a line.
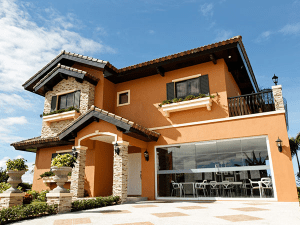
120	176
278	99
78	172
63	200
11	199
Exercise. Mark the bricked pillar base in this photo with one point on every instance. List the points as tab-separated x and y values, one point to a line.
278	99
120	175
11	199
77	179
63	200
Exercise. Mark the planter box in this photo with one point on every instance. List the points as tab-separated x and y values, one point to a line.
186	105
61	116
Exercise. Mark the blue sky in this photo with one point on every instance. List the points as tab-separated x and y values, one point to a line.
126	32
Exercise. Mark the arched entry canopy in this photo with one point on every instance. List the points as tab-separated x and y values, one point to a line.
95	114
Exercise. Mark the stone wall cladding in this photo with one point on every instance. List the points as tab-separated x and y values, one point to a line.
278	99
120	178
63	200
78	172
12	199
87	96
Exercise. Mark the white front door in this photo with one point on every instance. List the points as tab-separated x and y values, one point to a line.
134	174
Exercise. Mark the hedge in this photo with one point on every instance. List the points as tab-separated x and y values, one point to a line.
94	203
21	212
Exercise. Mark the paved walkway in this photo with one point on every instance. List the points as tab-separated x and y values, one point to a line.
158	212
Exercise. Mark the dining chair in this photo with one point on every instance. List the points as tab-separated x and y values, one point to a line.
266	185
214	188
177	186
227	187
255	186
201	186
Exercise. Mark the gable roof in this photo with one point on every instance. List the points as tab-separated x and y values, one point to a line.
128	127
59	73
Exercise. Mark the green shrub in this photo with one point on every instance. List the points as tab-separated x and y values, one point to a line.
4	186
61	110
47	174
17	164
16	213
94	203
63	160
25	186
33	193
3	175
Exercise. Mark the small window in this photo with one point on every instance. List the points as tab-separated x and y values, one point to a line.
123	98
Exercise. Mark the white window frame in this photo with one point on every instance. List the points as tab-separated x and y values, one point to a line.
121	92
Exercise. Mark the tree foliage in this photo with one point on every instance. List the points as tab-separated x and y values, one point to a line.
3	176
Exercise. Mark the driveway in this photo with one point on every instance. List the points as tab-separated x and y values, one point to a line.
159	212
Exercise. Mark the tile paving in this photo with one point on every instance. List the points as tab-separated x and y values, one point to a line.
180	212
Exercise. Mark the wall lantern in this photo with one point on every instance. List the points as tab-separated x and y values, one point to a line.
117	148
74	152
278	142
275	79
146	154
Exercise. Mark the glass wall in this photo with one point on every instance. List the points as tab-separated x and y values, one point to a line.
232	168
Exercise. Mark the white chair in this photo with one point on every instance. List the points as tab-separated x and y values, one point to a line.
266	184
227	187
255	185
201	186
214	187
177	186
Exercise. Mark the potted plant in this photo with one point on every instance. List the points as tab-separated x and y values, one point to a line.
61	166
15	170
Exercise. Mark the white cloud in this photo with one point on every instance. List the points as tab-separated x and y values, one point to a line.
151	32
207	9
290	29
7	127
26	47
9	102
264	36
222	35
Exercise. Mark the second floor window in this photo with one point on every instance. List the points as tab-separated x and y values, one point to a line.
65	101
184	88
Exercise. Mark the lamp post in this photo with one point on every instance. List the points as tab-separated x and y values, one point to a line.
117	148
279	144
275	79
146	154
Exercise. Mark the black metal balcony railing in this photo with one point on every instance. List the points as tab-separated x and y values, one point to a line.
251	103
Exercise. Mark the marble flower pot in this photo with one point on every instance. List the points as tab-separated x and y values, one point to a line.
14	179
61	177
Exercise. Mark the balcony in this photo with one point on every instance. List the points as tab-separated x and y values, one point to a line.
251	103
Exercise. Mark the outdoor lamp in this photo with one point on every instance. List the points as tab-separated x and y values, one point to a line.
146	154
74	153
275	79
278	142
117	148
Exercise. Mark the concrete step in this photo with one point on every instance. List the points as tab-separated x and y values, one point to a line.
136	199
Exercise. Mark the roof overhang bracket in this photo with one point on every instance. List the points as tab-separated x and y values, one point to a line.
79	80
213	58
96	119
63	76
160	70
47	88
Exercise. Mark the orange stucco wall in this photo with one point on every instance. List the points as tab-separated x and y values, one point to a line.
42	165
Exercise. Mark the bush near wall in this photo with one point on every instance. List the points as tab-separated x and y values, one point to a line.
94	203
21	212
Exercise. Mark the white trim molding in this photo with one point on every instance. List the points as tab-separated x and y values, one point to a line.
121	92
186	78
219	120
186	105
61	116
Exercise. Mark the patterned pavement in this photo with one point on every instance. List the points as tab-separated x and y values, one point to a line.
183	212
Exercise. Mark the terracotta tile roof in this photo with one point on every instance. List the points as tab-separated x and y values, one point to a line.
133	124
59	66
63	52
35	140
180	54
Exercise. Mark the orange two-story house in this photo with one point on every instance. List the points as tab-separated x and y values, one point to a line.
192	125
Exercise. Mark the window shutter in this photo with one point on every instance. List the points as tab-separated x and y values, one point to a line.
170	91
77	99
53	103
204	84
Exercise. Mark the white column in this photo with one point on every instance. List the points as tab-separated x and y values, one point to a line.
120	176
78	172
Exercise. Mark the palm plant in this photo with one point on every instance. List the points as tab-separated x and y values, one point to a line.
295	146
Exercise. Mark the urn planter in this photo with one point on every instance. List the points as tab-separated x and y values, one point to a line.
14	179
61	177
